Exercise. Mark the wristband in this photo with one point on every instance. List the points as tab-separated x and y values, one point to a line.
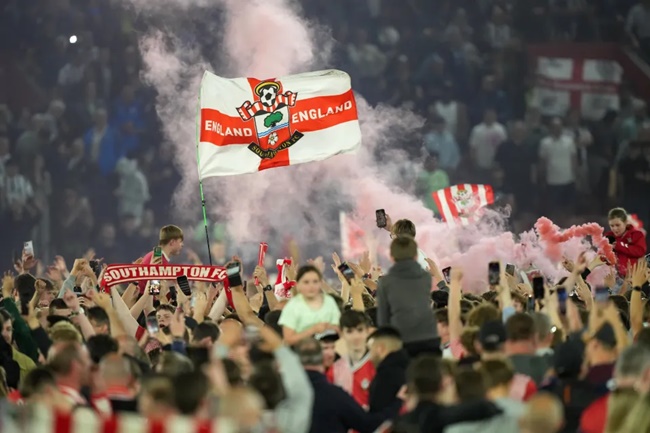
268	288
235	280
637	288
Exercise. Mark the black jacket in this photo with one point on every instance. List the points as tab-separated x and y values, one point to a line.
429	417
390	377
335	411
403	299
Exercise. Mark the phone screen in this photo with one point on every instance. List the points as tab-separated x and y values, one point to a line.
184	284
96	267
157	253
601	295
445	273
531	304
28	248
494	273
152	325
538	287
233	269
252	334
347	272
380	215
154	287
562	299
510	269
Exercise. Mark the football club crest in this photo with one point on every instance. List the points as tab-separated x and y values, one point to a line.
466	203
270	114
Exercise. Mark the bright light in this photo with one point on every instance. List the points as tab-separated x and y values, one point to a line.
73	39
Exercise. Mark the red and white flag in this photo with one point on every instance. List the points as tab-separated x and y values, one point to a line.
461	204
353	238
248	125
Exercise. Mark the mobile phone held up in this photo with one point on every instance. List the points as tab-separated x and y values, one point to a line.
446	274
601	295
510	269
494	273
184	284
380	215
538	288
562	299
96	267
157	252
233	270
154	287
28	248
152	325
347	272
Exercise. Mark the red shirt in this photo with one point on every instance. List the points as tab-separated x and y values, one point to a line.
146	260
355	379
594	417
629	248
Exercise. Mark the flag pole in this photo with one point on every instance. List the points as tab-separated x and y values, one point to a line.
198	167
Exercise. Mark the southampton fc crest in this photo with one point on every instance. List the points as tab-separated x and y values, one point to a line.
466	203
270	113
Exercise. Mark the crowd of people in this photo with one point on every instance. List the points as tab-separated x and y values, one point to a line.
402	351
78	125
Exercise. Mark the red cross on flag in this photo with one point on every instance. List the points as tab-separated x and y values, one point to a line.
248	125
461	204
589	85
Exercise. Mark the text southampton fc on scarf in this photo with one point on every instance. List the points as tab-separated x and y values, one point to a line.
248	125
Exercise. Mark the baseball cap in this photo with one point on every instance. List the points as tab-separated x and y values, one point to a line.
440	298
605	335
492	335
328	335
567	358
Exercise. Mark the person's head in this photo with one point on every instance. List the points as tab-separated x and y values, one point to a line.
438	122
309	282
128	224
424	378
403	247
156	397
492	337
442	324
190	392
171	240
544	413
310	353
354	330
520	330
632	369
328	347
100	346
489	116
39	386
600	347
431	162
267	381
543	329
518	131
70	364
556	127
173	364
100	118
7	326
58	307
117	370
470	385
205	334
482	314
617	218
164	315
403	228
99	320
498	375
383	342
244	406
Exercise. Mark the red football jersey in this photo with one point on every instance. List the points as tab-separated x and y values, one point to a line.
355	379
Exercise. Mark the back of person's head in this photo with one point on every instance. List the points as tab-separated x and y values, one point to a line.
403	248
482	314
169	233
64	332
310	352
36	382
387	335
115	368
404	227
268	382
63	356
353	319
173	364
25	286
544	413
190	391
244	406
99	320
520	327
156	393
57	304
424	376
543	326
470	385
497	373
643	337
632	363
205	332
101	345
372	316
272	318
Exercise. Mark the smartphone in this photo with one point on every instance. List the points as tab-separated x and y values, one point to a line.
77	290
154	287
347	272
562	299
96	267
380	215
193	302
252	334
601	294
510	269
531	304
445	273
232	272
157	252
184	284
494	273
28	248
538	287
152	325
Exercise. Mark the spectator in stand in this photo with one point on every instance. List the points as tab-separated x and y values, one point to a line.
411	314
634	171
133	190
453	111
431	179
391	361
498	32
102	144
584	140
73	72
365	58
490	97
637	26
484	142
16	189
442	142
558	159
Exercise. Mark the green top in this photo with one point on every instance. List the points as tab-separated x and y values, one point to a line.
299	316
430	182
22	333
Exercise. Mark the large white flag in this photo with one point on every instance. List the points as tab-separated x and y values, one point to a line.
247	125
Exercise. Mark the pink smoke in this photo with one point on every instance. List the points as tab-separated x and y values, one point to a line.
269	38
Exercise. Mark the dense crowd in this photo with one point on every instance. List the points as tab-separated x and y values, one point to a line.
402	351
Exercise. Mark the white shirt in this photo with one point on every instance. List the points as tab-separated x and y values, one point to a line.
17	189
558	153
485	140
